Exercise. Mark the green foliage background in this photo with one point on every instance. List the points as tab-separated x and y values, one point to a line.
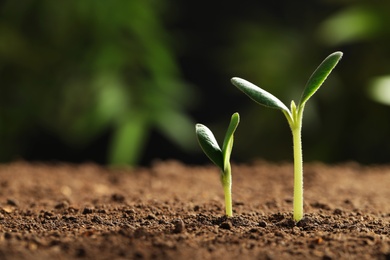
128	77
76	68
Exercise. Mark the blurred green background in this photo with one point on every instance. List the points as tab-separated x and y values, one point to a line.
124	82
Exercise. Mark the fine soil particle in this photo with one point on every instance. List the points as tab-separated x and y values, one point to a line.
176	211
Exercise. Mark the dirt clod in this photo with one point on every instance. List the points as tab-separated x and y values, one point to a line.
179	226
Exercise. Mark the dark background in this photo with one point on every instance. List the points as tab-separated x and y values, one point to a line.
119	82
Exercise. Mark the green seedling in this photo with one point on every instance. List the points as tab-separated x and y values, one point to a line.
220	158
294	118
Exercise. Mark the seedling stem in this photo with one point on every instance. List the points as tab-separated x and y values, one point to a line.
298	166
226	179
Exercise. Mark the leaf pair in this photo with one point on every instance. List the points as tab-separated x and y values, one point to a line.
314	83
209	144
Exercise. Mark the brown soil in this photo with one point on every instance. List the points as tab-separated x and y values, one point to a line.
174	211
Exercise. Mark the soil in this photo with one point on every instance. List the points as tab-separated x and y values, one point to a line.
176	211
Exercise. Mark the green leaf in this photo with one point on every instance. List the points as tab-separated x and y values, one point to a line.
319	76
128	139
209	145
229	139
181	134
259	95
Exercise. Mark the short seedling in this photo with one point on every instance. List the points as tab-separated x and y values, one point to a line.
294	118
219	157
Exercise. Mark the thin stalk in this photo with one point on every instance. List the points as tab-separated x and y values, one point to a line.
227	189
295	122
298	173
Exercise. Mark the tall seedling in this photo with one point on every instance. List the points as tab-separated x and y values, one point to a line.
219	157
294	117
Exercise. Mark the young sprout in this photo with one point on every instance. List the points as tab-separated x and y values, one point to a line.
219	157
294	118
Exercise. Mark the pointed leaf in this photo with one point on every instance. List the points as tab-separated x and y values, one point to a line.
319	76
229	139
258	95
209	145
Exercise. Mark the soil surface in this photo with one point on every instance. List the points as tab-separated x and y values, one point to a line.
176	211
